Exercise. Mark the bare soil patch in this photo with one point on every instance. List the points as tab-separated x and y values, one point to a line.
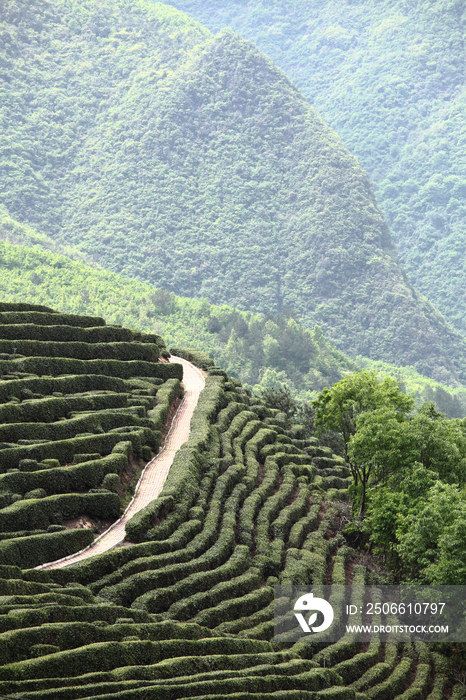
84	521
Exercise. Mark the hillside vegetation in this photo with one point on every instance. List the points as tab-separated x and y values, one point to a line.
189	160
188	610
409	475
389	77
262	351
79	402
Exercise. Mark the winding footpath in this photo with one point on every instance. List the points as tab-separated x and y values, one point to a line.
155	472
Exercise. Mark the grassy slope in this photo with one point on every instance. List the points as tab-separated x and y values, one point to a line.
190	161
389	78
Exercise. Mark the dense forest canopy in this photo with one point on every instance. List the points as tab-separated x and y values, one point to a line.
389	77
408	470
190	161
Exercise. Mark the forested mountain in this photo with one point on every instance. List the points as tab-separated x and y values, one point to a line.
389	77
190	161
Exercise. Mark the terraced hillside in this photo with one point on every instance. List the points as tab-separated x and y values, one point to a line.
80	403
187	611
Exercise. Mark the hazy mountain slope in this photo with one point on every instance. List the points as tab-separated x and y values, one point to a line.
389	77
66	66
192	162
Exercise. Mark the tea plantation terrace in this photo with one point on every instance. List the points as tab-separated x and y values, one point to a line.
187	611
79	401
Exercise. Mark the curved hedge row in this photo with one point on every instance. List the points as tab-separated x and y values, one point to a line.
35	387
43	316
62	333
41	512
144	352
56	366
102	421
85	475
30	551
64	450
55	408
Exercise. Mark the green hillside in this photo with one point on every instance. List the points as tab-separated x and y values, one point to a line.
187	610
389	78
190	161
261	351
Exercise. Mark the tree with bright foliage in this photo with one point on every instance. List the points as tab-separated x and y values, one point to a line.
357	403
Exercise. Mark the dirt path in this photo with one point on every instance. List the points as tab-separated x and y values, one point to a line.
155	472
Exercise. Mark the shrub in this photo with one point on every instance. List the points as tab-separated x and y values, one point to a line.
83	351
79	477
68	333
43	649
123	447
55	366
51	463
35	493
5	498
63	450
45	511
43	316
31	551
111	482
146	453
29	465
166	394
78	458
109	655
394	684
48	385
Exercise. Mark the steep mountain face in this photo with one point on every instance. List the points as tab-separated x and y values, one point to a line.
390	78
192	162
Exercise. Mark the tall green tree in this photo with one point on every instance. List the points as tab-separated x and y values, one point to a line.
359	400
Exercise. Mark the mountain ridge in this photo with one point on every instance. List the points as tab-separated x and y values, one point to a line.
390	79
